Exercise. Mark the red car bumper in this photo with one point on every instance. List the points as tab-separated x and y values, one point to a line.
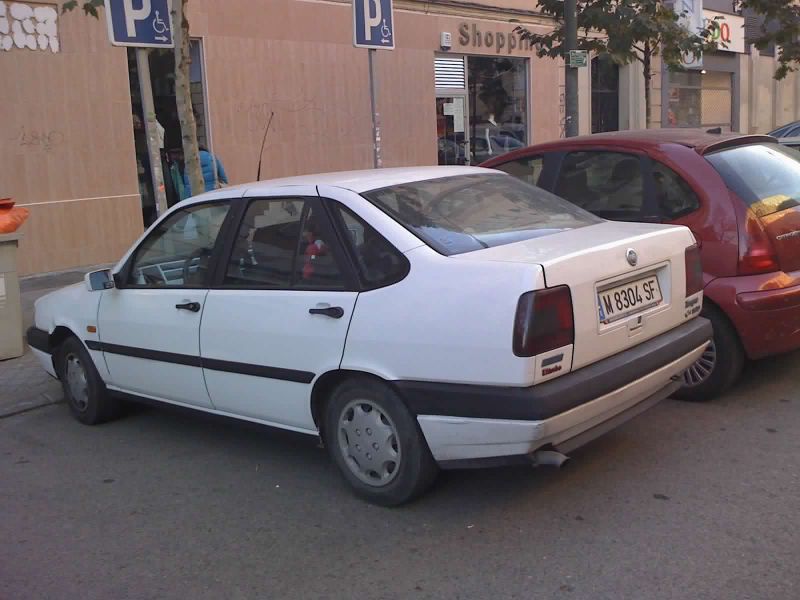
764	309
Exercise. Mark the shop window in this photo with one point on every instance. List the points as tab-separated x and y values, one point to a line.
498	105
700	100
608	184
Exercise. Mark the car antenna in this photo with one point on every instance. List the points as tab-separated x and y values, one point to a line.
714	130
263	141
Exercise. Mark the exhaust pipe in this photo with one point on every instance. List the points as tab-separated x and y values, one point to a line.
550	458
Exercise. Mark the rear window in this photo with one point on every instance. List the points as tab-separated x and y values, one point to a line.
463	213
765	176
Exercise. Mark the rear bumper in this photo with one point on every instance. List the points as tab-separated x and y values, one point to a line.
559	395
458	442
472	425
764	309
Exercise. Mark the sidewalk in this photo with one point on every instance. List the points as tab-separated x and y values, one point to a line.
23	383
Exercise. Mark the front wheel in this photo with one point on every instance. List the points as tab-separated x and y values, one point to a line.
376	443
720	364
84	390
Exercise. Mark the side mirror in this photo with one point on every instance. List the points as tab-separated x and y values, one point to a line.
97	281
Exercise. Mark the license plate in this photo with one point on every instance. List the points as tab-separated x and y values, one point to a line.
620	301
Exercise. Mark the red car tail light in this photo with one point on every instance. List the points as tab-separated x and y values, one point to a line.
543	321
756	254
694	270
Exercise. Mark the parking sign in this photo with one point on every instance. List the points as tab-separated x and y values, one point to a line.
140	23
373	24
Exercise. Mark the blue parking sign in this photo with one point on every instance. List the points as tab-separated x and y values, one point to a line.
373	24
140	23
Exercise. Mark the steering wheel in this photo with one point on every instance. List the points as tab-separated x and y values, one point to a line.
201	267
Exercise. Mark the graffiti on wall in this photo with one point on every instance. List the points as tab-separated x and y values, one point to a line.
28	27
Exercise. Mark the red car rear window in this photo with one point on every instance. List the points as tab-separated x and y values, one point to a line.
765	176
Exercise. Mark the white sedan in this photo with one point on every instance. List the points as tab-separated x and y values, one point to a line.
412	318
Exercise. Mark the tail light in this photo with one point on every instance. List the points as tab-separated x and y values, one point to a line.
756	254
694	270
543	321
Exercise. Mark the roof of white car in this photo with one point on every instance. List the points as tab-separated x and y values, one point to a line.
356	181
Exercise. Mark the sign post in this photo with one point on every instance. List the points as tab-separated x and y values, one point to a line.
145	26
373	28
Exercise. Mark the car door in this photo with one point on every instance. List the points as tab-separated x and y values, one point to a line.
279	311
149	325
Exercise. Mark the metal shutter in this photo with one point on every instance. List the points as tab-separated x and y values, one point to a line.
450	72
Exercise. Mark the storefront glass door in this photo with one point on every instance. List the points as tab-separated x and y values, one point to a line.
451	130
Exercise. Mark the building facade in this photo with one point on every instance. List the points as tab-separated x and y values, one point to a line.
459	87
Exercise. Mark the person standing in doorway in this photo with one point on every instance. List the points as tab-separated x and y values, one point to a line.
214	175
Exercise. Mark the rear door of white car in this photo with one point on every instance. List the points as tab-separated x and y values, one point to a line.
149	326
278	313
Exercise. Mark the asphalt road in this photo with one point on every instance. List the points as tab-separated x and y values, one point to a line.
688	501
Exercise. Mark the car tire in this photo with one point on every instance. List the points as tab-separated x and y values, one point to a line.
376	443
719	367
84	390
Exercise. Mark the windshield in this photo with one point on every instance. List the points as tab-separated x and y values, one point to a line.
469	212
765	176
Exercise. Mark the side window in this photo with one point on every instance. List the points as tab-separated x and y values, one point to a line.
527	169
608	184
316	267
281	244
178	251
674	197
379	262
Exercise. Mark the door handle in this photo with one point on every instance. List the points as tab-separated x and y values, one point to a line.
334	312
192	306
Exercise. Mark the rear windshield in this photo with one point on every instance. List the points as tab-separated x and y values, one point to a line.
765	176
459	214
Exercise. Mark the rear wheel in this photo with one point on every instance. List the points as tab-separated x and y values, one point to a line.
376	443
84	390
720	364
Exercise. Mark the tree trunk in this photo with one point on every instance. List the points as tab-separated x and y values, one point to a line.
648	76
183	97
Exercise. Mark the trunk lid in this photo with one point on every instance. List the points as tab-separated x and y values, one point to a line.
593	262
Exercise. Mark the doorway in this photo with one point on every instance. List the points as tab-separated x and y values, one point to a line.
605	94
162	80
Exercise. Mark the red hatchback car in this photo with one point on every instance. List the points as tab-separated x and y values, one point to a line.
740	196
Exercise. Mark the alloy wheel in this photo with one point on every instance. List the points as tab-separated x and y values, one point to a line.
701	370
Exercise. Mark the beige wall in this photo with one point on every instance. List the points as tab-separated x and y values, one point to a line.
770	103
67	148
67	136
297	60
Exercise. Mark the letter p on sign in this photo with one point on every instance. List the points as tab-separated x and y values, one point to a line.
369	20
135	14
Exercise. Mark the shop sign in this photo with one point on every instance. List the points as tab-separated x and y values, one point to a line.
730	30
494	41
691	17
